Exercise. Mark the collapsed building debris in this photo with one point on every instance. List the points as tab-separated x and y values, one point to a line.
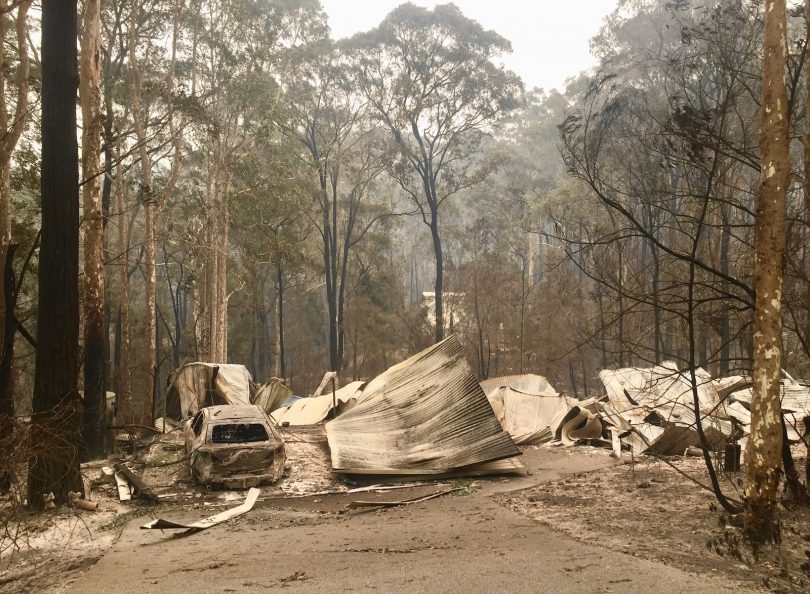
196	385
645	409
425	416
191	528
657	403
75	500
528	408
795	406
270	395
129	481
315	409
580	422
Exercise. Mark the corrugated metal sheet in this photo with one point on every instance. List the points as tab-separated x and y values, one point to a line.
193	386
313	410
270	395
637	390
426	415
795	407
529	418
659	401
527	406
528	383
580	421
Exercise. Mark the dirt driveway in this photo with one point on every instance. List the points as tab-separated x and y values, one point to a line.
464	543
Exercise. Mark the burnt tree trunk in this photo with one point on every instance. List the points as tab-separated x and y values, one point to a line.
7	365
281	368
725	322
123	363
807	175
55	423
439	283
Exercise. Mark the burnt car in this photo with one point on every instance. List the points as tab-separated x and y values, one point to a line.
236	446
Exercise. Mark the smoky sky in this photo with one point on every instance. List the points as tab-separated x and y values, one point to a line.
549	37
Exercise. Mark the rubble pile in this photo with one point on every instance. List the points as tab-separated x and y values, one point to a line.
645	410
428	418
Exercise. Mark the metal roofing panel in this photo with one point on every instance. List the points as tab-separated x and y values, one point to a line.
426	415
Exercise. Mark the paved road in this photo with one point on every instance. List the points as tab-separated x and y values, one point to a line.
464	544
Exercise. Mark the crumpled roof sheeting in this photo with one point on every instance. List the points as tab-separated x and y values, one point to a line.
270	395
529	383
638	390
580	421
313	410
668	441
193	386
530	418
659	402
526	406
795	407
426	415
732	383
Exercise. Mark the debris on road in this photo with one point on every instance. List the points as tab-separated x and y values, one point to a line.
191	528
420	499
138	488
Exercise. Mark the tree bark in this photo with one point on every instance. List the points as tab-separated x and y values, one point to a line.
11	130
281	367
620	302
725	322
123	372
55	423
763	452
139	119
94	322
806	155
439	282
9	291
215	297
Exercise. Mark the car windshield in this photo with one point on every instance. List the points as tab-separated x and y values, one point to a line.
239	433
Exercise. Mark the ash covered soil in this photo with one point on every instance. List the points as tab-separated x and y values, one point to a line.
651	511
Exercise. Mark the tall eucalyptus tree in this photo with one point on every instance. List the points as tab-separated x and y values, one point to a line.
433	79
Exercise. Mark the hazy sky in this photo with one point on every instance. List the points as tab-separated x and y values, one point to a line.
549	37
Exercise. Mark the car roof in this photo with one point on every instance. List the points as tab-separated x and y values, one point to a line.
222	412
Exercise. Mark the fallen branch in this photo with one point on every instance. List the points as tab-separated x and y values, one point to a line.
128	428
367	504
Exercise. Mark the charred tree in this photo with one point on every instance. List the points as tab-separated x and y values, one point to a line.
56	422
11	127
281	368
